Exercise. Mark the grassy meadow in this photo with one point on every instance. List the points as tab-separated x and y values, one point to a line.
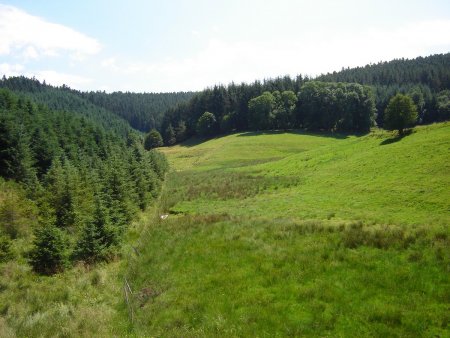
297	234
268	235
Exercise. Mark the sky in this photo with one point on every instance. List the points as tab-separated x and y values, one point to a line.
181	45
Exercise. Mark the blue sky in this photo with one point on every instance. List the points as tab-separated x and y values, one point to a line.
188	45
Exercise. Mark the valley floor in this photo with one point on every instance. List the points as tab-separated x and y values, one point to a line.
296	234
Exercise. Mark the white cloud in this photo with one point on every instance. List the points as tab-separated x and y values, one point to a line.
33	36
30	53
110	63
311	54
11	69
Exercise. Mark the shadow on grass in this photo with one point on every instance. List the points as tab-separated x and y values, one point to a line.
195	140
396	138
302	132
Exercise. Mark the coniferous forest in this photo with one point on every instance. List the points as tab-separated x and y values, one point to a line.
86	182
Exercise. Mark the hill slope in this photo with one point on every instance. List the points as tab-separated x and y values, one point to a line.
425	79
141	111
69	191
299	234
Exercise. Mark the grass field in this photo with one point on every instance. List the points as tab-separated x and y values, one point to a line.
294	234
268	235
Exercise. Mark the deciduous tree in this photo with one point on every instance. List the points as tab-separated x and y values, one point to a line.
400	113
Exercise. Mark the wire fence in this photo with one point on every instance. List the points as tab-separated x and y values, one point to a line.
129	295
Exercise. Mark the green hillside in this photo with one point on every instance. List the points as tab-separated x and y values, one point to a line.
113	111
296	234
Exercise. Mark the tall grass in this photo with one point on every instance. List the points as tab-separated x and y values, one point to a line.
336	237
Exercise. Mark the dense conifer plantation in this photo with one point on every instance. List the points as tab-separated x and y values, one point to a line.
142	111
87	182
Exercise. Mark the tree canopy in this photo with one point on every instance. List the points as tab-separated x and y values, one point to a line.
206	124
401	113
153	140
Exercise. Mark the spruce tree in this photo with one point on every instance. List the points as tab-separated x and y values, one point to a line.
97	237
48	255
169	136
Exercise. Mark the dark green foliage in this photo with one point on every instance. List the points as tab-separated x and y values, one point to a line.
432	71
48	255
180	131
16	159
169	136
348	108
261	111
443	105
61	198
5	248
83	178
400	113
142	111
336	106
206	124
153	140
285	106
97	237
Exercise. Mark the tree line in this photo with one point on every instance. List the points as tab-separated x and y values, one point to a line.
86	181
117	110
349	101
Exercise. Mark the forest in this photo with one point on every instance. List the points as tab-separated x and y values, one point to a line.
141	111
84	183
327	102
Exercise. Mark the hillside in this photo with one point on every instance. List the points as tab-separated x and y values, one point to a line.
70	190
297	234
432	71
142	111
348	101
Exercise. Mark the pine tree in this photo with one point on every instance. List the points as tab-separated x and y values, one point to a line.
180	131
169	136
97	237
48	255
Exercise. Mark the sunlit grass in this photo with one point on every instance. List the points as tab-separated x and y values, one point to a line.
343	236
